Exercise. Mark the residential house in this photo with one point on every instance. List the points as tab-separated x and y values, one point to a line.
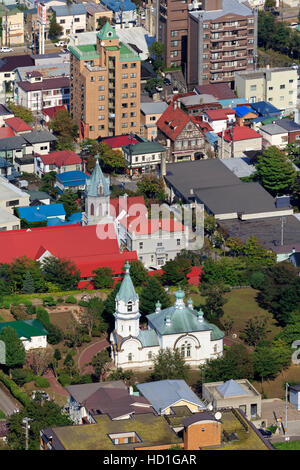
277	86
88	250
244	115
73	180
221	91
235	142
8	221
31	332
12	26
119	141
232	102
7	170
195	103
37	92
49	113
143	157
178	132
94	13
5	113
219	119
60	161
42	213
292	128
71	17
38	197
17	125
11	196
124	13
150	113
179	326
294	397
88	401
295	258
234	394
8	66
166	395
273	134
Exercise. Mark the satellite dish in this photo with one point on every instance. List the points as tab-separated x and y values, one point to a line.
218	415
210	407
234	335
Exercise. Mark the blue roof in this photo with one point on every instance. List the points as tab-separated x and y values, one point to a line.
42	212
165	393
230	103
115	5
231	389
73	219
211	137
264	108
241	111
72	178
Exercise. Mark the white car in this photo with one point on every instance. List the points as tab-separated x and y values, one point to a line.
6	49
60	44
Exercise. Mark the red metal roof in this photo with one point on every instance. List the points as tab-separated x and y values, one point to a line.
173	121
6	132
84	245
119	141
143	226
17	124
52	110
240	133
219	114
133	206
61	158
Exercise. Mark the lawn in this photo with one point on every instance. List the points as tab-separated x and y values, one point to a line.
290	445
62	319
275	388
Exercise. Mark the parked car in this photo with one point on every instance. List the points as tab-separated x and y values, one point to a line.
40	394
265	432
60	44
6	49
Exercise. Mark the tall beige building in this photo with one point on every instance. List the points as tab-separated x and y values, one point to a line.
105	86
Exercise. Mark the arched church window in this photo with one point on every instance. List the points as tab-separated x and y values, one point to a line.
130	357
129	307
129	328
182	350
92	209
188	350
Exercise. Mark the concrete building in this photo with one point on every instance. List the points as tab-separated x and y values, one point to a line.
274	135
72	18
222	38
234	394
60	161
11	196
277	86
150	113
143	157
124	12
94	13
8	221
235	142
12	26
105	87
37	92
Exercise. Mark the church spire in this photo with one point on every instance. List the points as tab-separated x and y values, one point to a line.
127	291
98	185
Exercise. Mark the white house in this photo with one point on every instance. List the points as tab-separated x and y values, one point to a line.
178	327
31	332
273	134
219	119
72	18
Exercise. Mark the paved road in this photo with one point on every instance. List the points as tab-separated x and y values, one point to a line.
88	353
7	404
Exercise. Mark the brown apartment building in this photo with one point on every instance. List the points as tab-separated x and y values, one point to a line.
105	87
222	39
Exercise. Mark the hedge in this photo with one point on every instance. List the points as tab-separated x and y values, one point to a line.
15	390
41	382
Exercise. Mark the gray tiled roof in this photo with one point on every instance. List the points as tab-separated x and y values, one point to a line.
154	108
36	137
228	6
231	388
272	129
165	393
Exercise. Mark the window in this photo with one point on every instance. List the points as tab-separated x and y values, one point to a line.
62	21
133	94
101	107
141	245
92	128
215	348
124	66
173	53
253	87
178	241
252	99
282	87
291	81
174	43
101	78
133	114
270	88
124	115
291	92
129	357
133	85
124	85
188	350
149	355
282	98
76	20
12	203
129	307
101	87
101	117
174	33
124	95
15	227
133	65
133	75
124	125
125	75
101	98
100	128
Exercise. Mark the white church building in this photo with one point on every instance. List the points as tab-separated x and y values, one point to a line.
177	327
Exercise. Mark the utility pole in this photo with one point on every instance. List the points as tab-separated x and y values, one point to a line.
27	427
286	406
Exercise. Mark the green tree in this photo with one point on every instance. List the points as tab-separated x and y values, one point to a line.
214	301
152	292
68	199
100	363
169	364
101	22
21	112
151	187
62	272
157	51
138	273
92	316
266	362
28	284
63	125
110	305
175	271
18	269
14	348
48	181
55	29
120	374
103	278
257	255
275	171
5	280
111	160
255	330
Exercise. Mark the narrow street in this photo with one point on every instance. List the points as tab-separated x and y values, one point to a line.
7	404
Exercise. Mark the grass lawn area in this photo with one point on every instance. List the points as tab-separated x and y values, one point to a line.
275	388
62	319
290	445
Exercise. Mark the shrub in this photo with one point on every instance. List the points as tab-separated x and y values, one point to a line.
49	301
65	380
2	415
86	339
83	303
256	279
20	376
60	300
31	309
19	312
41	382
82	379
71	300
15	390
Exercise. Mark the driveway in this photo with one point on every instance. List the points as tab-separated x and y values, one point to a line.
277	406
7	404
88	353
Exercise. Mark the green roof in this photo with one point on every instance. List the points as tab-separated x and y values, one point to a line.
182	319
152	430
143	147
26	328
127	54
148	338
107	32
127	290
87	52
